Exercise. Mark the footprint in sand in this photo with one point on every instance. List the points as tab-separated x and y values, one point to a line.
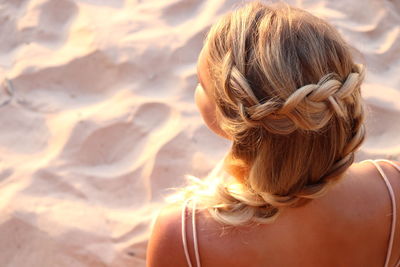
23	132
189	51
116	140
46	22
55	184
22	23
57	87
172	160
181	11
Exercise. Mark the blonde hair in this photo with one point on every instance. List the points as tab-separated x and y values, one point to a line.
288	94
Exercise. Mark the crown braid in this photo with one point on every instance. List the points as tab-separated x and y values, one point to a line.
330	98
288	94
309	107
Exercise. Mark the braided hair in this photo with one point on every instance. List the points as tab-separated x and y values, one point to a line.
287	92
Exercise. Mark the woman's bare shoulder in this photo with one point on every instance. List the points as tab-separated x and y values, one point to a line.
365	178
165	245
367	168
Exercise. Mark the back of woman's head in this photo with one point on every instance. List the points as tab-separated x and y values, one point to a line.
287	93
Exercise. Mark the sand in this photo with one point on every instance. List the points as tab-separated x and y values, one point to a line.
98	118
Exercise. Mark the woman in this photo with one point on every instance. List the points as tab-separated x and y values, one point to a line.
282	86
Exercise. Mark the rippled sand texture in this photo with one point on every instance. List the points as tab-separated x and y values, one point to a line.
100	120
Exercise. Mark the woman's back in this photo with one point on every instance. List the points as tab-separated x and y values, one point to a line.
349	226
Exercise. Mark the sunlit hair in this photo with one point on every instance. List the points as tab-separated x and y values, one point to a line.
288	94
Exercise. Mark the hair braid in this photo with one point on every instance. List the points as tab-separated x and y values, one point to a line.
288	94
309	108
329	91
329	97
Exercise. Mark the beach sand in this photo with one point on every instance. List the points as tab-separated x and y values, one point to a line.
98	118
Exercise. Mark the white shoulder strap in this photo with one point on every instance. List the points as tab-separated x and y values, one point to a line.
196	246
184	240
394	211
398	168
